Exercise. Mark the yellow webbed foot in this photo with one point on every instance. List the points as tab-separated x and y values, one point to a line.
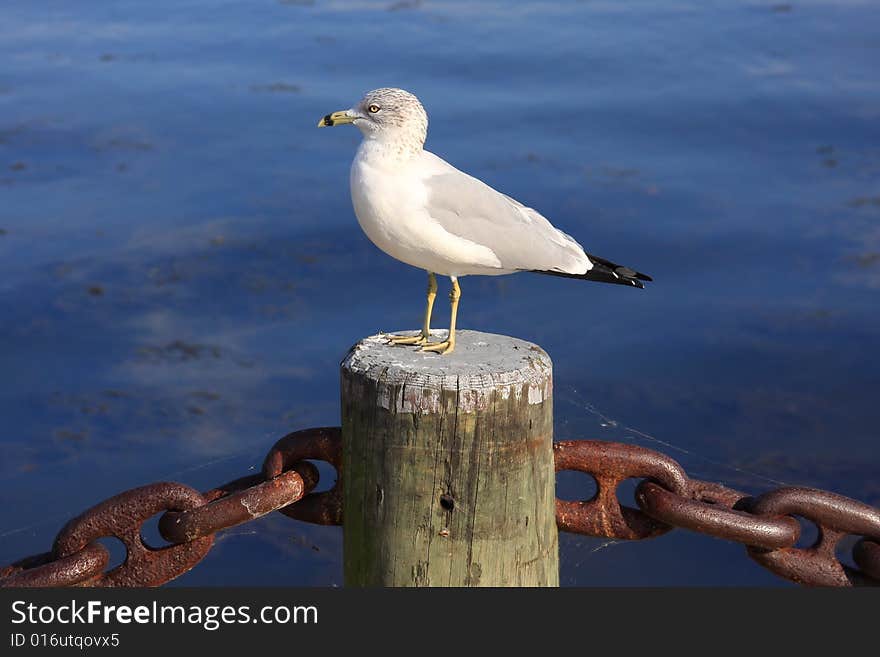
418	340
445	347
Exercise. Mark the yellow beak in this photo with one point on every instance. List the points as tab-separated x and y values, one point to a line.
337	118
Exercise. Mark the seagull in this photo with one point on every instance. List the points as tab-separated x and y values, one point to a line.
421	210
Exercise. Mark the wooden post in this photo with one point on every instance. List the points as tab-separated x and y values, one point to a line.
448	464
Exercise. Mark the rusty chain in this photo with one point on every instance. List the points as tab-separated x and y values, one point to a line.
766	524
666	498
189	520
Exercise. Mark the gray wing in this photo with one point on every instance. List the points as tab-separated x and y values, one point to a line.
518	235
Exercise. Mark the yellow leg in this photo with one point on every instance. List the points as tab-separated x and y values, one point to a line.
422	338
448	345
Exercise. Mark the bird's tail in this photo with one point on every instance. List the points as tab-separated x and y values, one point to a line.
605	271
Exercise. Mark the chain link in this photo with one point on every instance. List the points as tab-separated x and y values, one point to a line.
237	502
666	498
610	464
44	570
716	519
835	516
323	444
122	516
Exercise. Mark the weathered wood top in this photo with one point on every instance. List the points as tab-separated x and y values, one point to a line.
482	364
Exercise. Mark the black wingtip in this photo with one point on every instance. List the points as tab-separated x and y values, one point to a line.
605	271
598	275
602	263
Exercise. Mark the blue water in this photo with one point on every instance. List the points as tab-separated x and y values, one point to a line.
182	270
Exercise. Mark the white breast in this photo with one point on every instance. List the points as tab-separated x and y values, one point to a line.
390	200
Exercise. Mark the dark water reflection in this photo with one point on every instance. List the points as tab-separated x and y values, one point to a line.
182	270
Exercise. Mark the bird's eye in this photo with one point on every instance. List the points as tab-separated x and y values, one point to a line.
373	109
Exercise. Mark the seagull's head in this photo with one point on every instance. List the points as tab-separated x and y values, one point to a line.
392	114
